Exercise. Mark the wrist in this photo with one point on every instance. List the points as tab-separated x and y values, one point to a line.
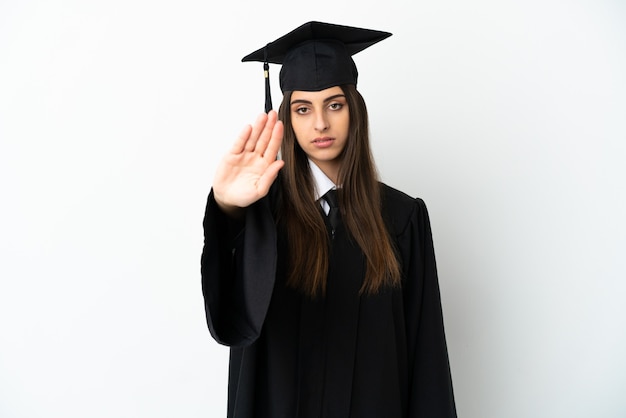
231	211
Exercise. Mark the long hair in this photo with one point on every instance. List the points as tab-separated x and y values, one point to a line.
359	202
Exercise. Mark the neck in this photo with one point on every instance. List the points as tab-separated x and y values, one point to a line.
330	169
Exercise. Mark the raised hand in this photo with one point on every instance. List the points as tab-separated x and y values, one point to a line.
246	173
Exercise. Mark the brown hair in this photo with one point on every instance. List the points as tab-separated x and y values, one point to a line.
359	202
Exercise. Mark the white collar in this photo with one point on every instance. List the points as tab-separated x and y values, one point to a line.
321	180
322	184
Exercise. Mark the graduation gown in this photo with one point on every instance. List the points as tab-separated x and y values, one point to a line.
339	356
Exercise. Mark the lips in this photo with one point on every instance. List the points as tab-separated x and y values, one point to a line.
323	142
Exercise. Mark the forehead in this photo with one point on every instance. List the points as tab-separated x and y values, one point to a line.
316	96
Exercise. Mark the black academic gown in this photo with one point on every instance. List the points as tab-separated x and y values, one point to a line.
340	356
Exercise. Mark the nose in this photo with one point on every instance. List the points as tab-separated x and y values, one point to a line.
321	122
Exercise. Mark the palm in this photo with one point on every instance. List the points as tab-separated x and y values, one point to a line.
246	173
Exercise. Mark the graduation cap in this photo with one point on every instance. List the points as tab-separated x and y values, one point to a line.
315	56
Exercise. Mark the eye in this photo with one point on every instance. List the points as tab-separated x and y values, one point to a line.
336	106
302	110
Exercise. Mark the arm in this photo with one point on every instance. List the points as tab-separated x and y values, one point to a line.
239	236
431	393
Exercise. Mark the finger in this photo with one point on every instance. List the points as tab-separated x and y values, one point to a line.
266	134
257	128
240	142
275	141
266	180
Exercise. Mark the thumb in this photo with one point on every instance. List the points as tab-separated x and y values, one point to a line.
266	180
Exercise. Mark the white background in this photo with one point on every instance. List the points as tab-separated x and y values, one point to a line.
508	118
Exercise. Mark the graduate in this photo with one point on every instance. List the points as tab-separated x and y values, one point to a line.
320	278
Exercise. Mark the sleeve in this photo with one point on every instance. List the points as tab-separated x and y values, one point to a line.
431	393
238	267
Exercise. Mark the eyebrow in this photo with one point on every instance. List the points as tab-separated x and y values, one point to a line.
326	100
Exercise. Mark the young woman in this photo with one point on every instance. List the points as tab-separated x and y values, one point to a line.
331	306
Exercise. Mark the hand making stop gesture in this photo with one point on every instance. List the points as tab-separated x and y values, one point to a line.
246	173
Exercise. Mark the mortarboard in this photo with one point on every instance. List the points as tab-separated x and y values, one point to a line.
315	56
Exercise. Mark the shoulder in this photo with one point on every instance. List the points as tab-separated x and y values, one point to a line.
396	200
399	209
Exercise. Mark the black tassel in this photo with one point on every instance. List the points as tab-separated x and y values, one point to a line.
268	93
266	73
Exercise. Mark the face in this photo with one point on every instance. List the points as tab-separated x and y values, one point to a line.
321	120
